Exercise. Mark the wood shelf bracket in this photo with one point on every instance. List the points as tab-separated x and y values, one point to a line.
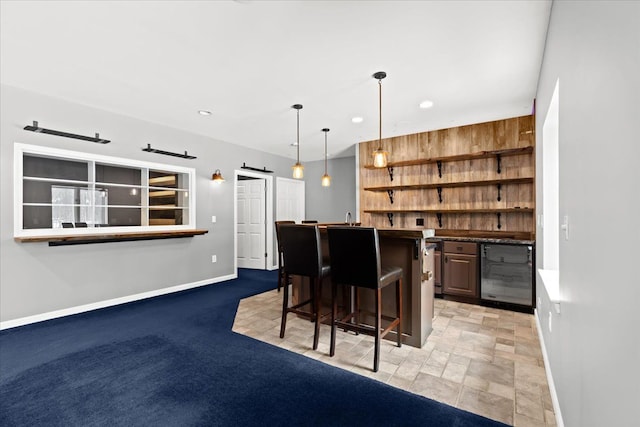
499	216
439	216
439	189
439	163
390	194
390	218
390	170
499	159
499	190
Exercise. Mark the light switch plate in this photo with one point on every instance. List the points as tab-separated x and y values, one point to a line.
213	218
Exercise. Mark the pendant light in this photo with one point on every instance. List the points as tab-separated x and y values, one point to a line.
380	155
326	179
298	169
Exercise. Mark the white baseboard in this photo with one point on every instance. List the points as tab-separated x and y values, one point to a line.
547	368
111	302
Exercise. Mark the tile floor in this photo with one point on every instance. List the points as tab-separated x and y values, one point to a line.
479	359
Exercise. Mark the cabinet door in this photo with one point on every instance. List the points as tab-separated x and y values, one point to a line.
437	259
460	275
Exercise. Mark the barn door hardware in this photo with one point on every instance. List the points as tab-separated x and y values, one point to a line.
167	153
390	218
390	170
499	159
439	215
439	189
439	163
499	225
37	129
499	189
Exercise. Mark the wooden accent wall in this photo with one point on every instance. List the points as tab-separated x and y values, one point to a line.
468	157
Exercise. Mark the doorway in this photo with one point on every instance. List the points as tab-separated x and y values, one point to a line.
290	195
253	212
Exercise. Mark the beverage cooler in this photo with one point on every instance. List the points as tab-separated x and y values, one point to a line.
506	275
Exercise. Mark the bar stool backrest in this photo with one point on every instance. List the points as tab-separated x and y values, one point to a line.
301	249
278	224
355	256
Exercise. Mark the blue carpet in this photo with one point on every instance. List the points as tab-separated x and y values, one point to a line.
174	361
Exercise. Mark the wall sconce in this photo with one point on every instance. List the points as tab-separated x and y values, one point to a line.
217	177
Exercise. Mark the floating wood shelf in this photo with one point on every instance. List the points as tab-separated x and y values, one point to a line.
162	193
451	184
470	156
166	180
81	239
450	211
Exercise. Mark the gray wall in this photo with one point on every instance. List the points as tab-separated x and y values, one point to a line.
36	278
594	345
330	204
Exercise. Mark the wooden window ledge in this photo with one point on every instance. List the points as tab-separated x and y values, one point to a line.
83	239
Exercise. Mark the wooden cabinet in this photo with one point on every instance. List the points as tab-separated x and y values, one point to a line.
460	269
437	259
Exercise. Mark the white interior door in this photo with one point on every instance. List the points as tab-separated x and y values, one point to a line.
289	200
251	225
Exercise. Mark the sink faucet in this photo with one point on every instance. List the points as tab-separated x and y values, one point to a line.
347	219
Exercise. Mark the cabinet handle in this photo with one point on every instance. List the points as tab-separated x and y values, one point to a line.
459	248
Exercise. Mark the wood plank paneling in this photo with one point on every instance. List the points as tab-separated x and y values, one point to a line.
468	154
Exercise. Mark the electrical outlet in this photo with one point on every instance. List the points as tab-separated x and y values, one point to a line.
565	227
214	258
213	218
550	317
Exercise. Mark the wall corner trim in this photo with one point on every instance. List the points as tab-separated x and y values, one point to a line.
547	368
111	302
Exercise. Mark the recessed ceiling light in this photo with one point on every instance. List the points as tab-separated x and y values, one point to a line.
357	120
426	104
204	112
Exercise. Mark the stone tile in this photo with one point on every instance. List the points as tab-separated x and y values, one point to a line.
408	370
400	383
476	357
438	358
479	340
502	390
491	372
477	383
524	421
436	388
454	372
433	370
530	405
486	404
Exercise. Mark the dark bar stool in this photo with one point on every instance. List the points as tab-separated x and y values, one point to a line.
281	282
303	257
355	262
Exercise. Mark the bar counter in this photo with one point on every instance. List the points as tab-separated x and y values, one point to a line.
410	250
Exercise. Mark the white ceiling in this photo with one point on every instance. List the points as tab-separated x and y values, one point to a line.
249	61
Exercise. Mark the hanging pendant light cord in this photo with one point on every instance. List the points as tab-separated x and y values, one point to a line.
380	115
325	153
298	135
